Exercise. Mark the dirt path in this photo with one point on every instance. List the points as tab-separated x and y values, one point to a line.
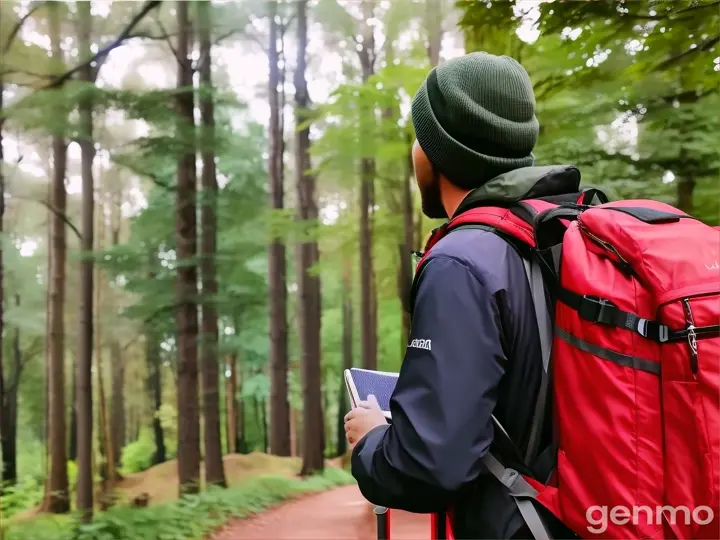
340	514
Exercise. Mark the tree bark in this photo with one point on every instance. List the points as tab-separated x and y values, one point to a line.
72	435
57	494
406	247
117	365
264	420
309	299
434	29
46	427
84	401
685	189
10	410
214	469
154	365
231	405
186	241
106	443
347	352
277	290
368	318
241	445
3	428
433	25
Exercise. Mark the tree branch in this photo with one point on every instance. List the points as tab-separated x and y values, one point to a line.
698	6
16	29
707	45
153	37
103	53
54	210
167	39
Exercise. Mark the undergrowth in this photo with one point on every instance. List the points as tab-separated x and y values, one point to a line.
189	518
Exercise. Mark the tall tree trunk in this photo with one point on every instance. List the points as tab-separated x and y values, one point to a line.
106	444
154	365
3	419
231	416
309	301
241	442
368	324
46	427
433	26
434	29
406	247
293	432
72	435
347	352
279	405
685	189
264	420
57	493
214	470
186	240
117	365
85	318
9	411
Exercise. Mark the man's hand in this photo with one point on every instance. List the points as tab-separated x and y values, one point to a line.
359	421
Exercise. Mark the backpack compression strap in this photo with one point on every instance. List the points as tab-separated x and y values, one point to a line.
522	492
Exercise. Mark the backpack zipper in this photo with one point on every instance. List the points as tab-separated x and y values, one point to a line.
691	336
624	265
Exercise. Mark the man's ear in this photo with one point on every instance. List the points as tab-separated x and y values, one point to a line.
423	168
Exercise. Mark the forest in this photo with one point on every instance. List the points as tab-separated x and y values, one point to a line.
214	206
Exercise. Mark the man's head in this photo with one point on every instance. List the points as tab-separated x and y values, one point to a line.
474	119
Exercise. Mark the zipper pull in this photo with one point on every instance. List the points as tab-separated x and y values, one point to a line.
692	337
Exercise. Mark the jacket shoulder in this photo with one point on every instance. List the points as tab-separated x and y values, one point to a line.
483	253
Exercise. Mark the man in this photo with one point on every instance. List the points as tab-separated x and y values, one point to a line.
474	118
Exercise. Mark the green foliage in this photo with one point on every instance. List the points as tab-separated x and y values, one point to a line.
190	518
25	494
602	67
138	455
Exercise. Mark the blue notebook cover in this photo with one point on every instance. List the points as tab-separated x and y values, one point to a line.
379	383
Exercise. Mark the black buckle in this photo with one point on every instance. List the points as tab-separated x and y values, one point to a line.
596	309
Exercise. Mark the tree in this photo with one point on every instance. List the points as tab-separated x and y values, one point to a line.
154	383
85	318
279	405
214	471
57	494
186	242
347	355
368	310
105	440
3	413
309	298
117	363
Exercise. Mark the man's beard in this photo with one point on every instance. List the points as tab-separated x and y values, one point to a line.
432	205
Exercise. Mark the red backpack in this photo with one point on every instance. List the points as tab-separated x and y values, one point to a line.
631	352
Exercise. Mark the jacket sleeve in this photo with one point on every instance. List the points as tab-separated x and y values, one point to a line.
444	398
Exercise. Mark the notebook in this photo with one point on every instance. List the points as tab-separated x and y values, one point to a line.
361	383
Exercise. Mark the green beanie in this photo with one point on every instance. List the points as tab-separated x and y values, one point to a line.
474	117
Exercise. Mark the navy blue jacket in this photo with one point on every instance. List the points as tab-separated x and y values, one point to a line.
474	351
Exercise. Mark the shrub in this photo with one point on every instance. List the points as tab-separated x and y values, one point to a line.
138	455
21	496
189	518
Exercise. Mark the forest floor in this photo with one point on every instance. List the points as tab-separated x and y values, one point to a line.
340	514
160	482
